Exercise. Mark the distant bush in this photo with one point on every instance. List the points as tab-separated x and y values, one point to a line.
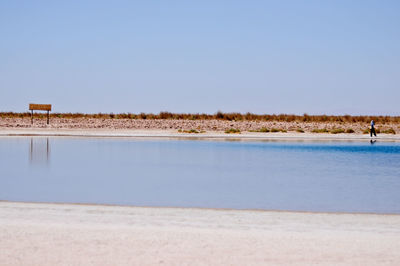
190	131
299	130
349	130
274	130
165	115
366	131
389	131
232	131
262	130
319	130
337	131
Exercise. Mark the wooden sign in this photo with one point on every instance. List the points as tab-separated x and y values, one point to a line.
43	107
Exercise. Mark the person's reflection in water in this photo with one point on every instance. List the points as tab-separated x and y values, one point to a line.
39	151
372	141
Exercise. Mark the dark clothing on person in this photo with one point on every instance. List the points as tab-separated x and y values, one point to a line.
372	131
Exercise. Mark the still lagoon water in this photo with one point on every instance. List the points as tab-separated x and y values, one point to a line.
268	175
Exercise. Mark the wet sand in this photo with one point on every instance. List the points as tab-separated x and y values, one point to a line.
66	234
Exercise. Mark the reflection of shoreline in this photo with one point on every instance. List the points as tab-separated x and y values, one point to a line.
39	151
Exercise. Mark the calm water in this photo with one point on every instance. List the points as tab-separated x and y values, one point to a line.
305	176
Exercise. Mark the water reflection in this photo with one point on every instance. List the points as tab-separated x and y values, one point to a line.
39	151
372	141
287	175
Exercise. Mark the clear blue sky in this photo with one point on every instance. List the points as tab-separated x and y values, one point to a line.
316	57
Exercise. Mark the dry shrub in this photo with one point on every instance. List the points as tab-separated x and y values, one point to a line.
319	130
337	131
261	130
389	131
190	131
232	131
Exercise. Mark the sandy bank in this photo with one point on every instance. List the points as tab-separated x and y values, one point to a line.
64	234
212	125
175	134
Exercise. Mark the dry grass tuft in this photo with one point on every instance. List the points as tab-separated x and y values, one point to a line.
261	130
274	130
319	130
337	131
191	131
389	131
232	131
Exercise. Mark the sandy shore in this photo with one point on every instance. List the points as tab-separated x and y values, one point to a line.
173	125
213	128
65	234
174	134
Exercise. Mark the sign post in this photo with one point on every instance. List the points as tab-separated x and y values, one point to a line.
40	107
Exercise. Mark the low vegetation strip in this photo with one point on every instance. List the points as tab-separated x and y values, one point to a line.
222	116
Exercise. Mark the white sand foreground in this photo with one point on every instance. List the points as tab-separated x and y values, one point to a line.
67	234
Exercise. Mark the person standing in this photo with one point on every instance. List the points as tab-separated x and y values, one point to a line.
372	131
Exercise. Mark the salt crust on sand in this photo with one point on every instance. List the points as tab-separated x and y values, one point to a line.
66	234
174	134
